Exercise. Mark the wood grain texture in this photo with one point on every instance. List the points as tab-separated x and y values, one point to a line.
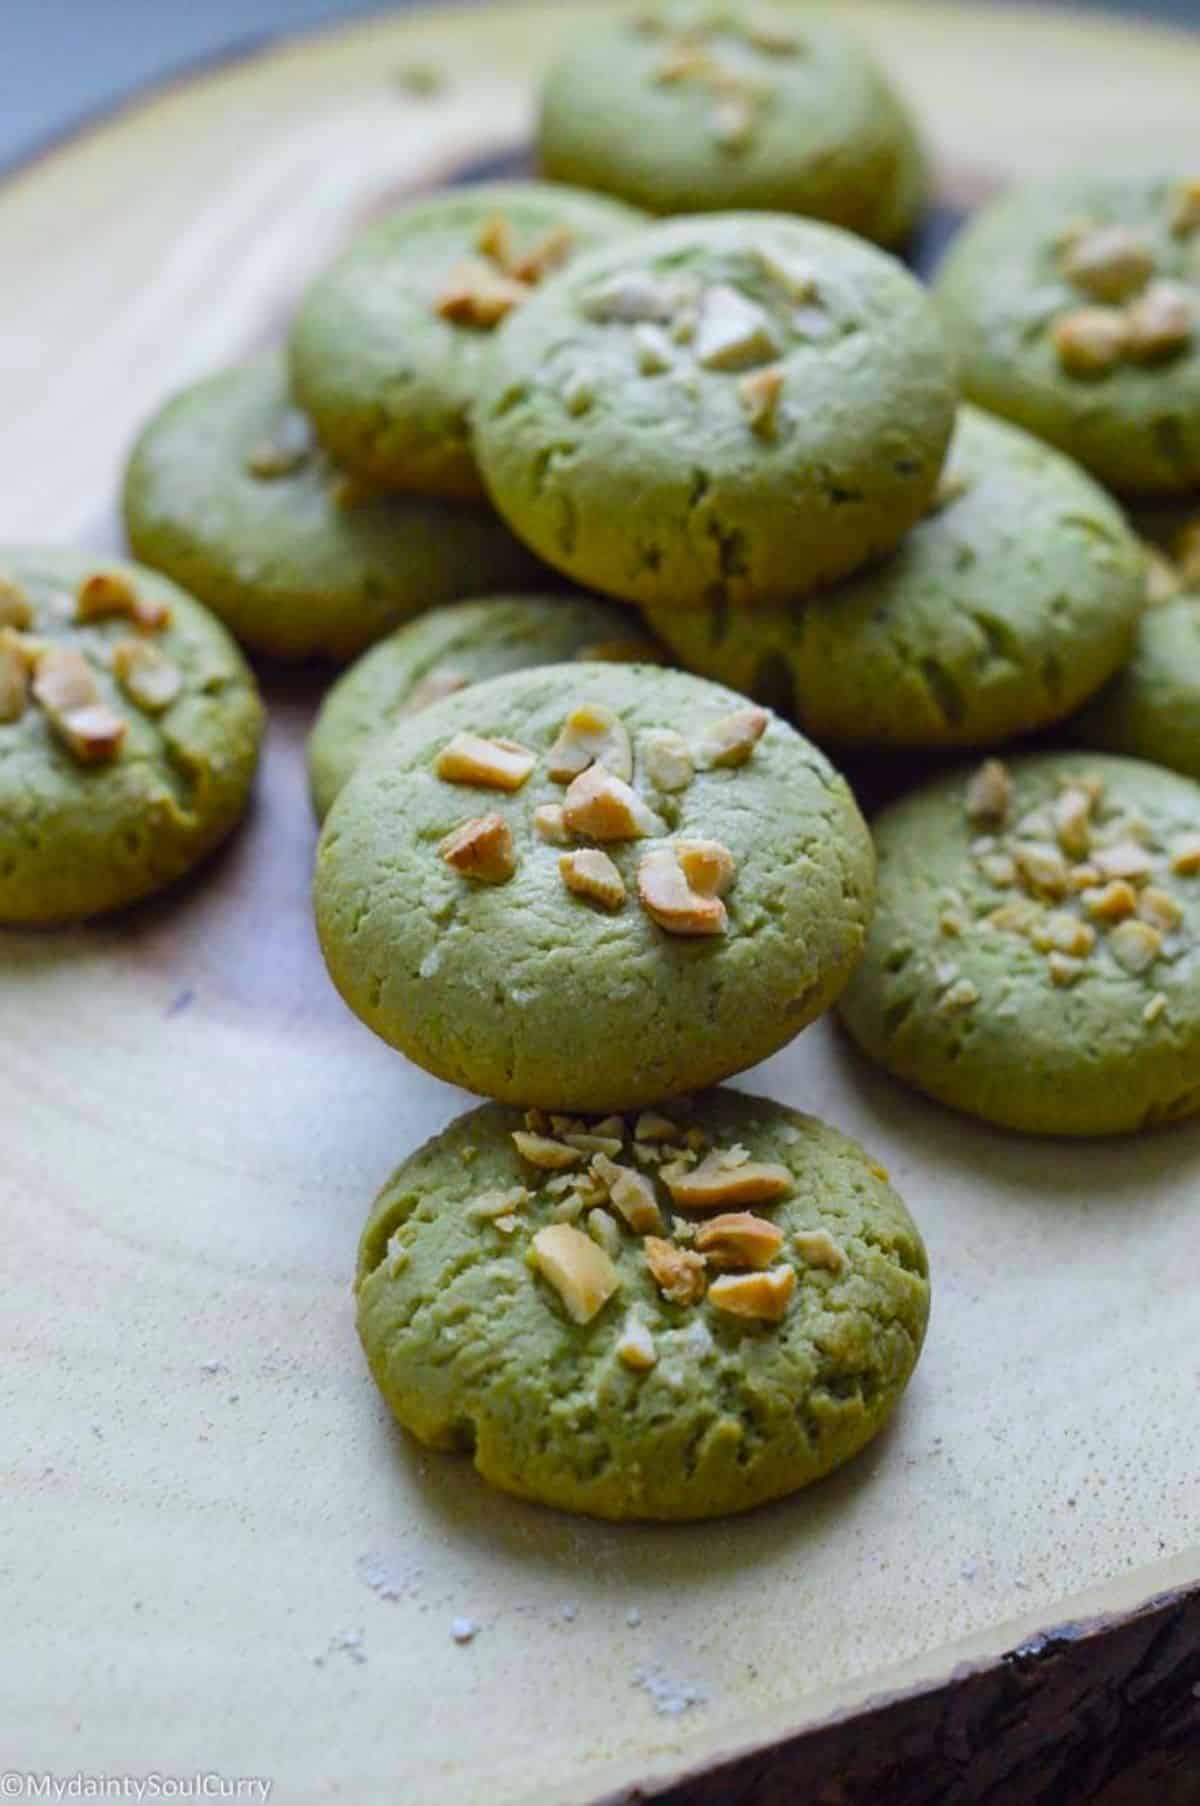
206	1498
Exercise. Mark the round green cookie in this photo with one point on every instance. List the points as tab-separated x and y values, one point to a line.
513	1313
484	966
1074	309
734	408
127	745
448	650
1151	709
1034	957
694	107
227	493
1000	612
388	344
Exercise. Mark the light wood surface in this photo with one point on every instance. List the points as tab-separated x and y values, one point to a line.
205	1502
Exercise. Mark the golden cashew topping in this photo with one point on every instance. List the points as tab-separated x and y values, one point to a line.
1041	867
998	868
817	1248
1072	813
544	1152
146	675
760	393
599	806
722	1178
739	1239
492	764
546	254
108	593
1061	932
707	865
635	1345
989	793
549	825
604	1231
64	686
16	610
1017	917
479	295
500	1203
1135	945
1185	210
580	1271
1113	903
733	332
631	1194
590	735
650	1126
764	1296
670	901
1091	341
1124	859
14	677
666	759
959	995
1159	908
590	873
1110	263
435	684
1185	856
1163	581
734	117
1159	324
481	849
1063	969
732	739
677	1272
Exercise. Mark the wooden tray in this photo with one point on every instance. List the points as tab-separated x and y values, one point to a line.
219	1553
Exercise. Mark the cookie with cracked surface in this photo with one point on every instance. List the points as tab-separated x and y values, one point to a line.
694	107
667	1329
229	494
448	650
129	734
590	886
1035	957
1151	709
1000	612
1073	308
724	409
389	341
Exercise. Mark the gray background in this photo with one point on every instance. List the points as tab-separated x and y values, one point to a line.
62	61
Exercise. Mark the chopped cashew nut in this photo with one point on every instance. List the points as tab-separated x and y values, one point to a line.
16	610
677	1272
666	759
1061	932
600	806
1159	908
764	1296
733	332
652	1127
590	735
492	764
631	1193
604	1231
732	739
146	675
546	254
707	866
653	348
1160	323
1091	341
635	1346
481	849
1072	814
817	1248
285	451
716	1181
1185	856
1117	900
548	823
541	1151
1135	945
476	294
630	298
733	120
669	899
759	394
108	593
580	1271
14	678
590	873
1125	859
491	1204
431	688
1163	581
989	793
1063	969
1042	867
739	1239
65	687
1185	213
1110	263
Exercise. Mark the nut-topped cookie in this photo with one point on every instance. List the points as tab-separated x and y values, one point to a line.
1151	709
725	409
129	732
590	886
451	648
1074	309
1002	611
694	107
388	343
671	1314
228	492
1035	957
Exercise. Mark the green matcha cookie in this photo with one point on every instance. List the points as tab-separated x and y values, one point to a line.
1034	957
590	886
227	493
129	731
1151	709
449	649
389	342
1074	309
1000	612
724	409
671	1316
695	108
